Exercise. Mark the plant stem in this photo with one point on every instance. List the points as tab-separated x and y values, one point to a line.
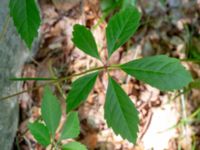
5	27
52	146
184	114
100	21
57	80
57	84
35	79
114	66
17	143
190	60
194	114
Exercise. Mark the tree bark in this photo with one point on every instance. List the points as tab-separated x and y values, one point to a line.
12	57
13	54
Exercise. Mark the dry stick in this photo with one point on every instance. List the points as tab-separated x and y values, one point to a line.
60	80
147	124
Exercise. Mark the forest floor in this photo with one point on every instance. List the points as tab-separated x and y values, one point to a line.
171	29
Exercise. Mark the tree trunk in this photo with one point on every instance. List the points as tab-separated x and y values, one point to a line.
12	56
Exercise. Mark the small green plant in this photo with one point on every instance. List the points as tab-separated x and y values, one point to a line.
44	129
159	71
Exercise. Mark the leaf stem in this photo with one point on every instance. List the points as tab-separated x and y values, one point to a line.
57	84
35	79
184	113
190	60
114	66
56	80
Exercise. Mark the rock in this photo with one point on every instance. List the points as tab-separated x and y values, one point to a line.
12	56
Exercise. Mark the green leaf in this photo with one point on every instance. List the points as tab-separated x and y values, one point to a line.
84	40
195	84
163	2
160	71
71	128
51	110
40	133
80	90
26	17
106	4
120	112
128	3
121	27
74	146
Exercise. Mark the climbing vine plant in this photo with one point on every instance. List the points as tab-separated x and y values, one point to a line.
159	71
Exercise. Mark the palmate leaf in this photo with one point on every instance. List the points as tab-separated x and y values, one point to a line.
71	128
74	146
80	90
40	133
160	71
120	112
121	27
51	110
84	40
26	17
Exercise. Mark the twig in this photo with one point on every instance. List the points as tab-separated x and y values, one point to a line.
29	143
146	126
